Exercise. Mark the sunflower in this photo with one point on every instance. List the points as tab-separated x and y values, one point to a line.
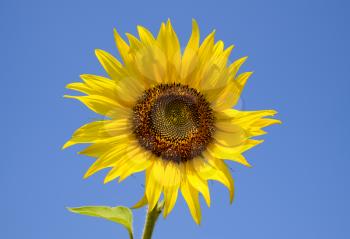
168	113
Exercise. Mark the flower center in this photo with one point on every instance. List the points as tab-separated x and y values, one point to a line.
173	121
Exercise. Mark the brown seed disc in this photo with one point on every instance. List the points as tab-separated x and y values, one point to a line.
173	121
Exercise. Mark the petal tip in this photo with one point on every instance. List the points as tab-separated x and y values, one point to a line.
259	141
198	221
68	96
98	52
231	200
67	145
88	174
106	180
194	23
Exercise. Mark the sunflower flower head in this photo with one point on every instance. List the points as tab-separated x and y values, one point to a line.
168	113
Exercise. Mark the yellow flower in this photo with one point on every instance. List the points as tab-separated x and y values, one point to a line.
168	113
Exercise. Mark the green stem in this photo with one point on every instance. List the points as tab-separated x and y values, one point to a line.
151	220
131	235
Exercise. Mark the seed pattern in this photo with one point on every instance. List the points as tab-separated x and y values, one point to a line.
173	121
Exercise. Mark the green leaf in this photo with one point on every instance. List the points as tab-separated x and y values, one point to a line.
121	215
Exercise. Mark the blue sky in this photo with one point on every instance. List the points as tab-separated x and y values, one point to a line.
299	51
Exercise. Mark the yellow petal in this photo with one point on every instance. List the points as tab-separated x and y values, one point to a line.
170	45
231	153
151	64
154	182
145	35
129	90
110	157
210	59
173	39
191	197
138	163
169	41
190	58
100	130
99	104
227	98
94	85
225	55
218	48
100	85
221	173
229	120
97	149
81	87
241	159
196	181
242	79
234	67
255	128
201	62
123	165
231	139
238	116
172	178
104	106
112	66
228	126
212	79
135	44
261	123
217	75
143	202
206	48
123	47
